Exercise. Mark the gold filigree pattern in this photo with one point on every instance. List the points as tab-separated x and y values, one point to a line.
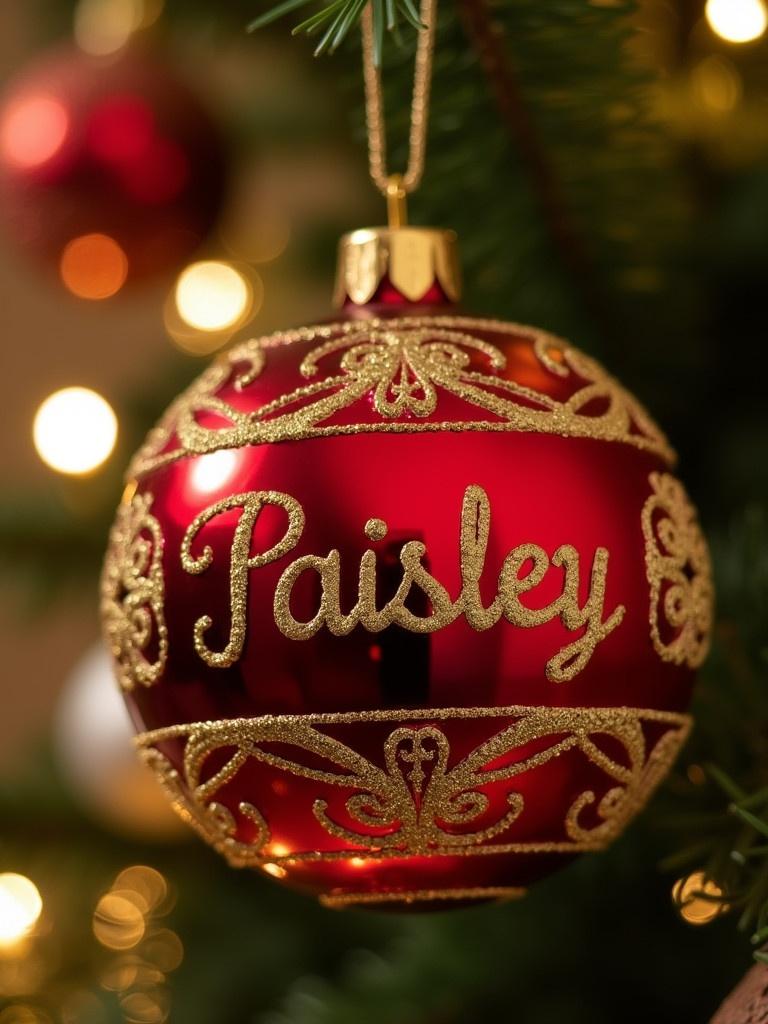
679	572
211	820
403	366
132	595
419	800
340	900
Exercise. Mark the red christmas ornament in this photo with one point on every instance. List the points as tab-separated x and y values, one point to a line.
107	159
748	1003
407	607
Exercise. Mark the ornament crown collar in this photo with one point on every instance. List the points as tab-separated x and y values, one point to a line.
398	265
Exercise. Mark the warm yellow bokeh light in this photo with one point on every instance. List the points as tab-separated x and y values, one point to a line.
105	26
117	922
146	883
699	899
212	296
75	430
93	267
23	1014
20	907
145	1008
737	21
716	84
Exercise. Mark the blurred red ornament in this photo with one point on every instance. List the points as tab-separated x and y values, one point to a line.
112	158
748	1003
407	607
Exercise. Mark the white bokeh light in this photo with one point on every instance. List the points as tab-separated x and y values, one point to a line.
75	430
737	21
212	296
20	907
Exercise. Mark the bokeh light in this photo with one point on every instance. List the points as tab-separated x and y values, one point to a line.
33	130
23	1014
145	1007
737	21
103	27
93	267
147	883
716	84
118	923
699	899
20	907
75	430
212	296
164	950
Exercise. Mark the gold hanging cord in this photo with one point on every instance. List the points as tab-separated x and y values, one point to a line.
395	187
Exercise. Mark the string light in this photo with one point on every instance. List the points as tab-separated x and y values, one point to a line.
737	21
20	907
699	899
93	267
75	430
212	296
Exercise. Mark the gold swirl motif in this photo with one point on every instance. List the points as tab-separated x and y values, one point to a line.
402	365
679	571
417	801
132	594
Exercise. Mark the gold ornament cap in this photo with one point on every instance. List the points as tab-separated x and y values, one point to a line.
412	259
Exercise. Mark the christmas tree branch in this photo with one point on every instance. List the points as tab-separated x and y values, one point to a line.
487	35
337	19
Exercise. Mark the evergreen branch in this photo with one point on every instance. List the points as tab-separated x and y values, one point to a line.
339	17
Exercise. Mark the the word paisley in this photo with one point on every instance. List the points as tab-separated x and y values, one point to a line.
523	570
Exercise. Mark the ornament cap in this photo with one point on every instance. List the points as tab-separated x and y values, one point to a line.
420	264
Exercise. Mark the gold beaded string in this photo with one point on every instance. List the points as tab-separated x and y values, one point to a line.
395	187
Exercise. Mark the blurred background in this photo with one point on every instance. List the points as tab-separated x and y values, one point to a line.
169	182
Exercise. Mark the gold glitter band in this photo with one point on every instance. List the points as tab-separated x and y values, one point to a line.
679	571
427	805
340	900
132	594
402	366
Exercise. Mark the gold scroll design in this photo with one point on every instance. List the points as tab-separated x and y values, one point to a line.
417	801
679	571
132	595
401	365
